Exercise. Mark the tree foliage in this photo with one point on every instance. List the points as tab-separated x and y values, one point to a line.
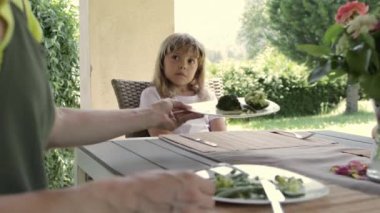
304	22
254	30
286	23
300	23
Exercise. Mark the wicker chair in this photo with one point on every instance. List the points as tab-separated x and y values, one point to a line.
128	95
216	86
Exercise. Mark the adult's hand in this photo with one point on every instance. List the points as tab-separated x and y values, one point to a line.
154	191
170	114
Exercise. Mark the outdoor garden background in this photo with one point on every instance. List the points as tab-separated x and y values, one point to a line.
270	31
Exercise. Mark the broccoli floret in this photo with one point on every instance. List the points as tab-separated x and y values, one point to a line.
256	99
228	103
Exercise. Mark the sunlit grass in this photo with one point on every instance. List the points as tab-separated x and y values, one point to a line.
360	123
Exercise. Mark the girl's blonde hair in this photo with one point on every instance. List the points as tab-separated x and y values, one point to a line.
173	43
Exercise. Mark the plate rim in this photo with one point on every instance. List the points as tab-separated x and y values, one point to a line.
272	104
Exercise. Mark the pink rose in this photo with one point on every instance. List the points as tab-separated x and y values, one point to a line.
350	9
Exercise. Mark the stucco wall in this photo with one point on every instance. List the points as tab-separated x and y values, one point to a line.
123	37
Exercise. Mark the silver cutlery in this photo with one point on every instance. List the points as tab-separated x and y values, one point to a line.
293	134
199	140
274	195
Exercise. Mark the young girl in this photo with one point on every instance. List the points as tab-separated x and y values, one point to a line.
180	74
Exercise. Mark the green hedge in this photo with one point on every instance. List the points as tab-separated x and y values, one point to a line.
59	167
59	21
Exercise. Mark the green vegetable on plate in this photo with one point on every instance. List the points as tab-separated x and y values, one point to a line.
237	185
256	100
228	103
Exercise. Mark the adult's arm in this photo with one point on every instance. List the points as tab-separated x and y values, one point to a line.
73	127
155	191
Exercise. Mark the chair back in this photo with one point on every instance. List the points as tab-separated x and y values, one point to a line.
128	95
216	86
128	92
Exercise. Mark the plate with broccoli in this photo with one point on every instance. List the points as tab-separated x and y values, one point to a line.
233	186
252	105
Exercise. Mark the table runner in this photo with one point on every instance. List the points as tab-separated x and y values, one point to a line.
358	152
242	140
314	162
312	157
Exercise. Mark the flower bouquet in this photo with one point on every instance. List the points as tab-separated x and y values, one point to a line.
352	46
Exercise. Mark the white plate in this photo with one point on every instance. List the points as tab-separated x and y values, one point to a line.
313	188
209	108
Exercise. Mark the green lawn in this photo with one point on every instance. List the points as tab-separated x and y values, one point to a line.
360	123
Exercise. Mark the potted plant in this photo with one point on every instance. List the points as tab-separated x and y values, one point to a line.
351	47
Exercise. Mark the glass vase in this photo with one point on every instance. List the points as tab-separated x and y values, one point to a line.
373	171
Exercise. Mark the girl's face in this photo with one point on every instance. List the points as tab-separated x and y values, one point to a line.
180	67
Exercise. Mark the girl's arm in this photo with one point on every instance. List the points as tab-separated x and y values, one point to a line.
218	124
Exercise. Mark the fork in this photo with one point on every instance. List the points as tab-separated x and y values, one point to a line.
296	135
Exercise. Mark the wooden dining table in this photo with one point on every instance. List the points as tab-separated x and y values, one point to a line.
123	157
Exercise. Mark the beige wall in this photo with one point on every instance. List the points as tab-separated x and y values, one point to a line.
119	39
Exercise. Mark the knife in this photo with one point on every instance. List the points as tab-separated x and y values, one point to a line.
274	195
200	140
